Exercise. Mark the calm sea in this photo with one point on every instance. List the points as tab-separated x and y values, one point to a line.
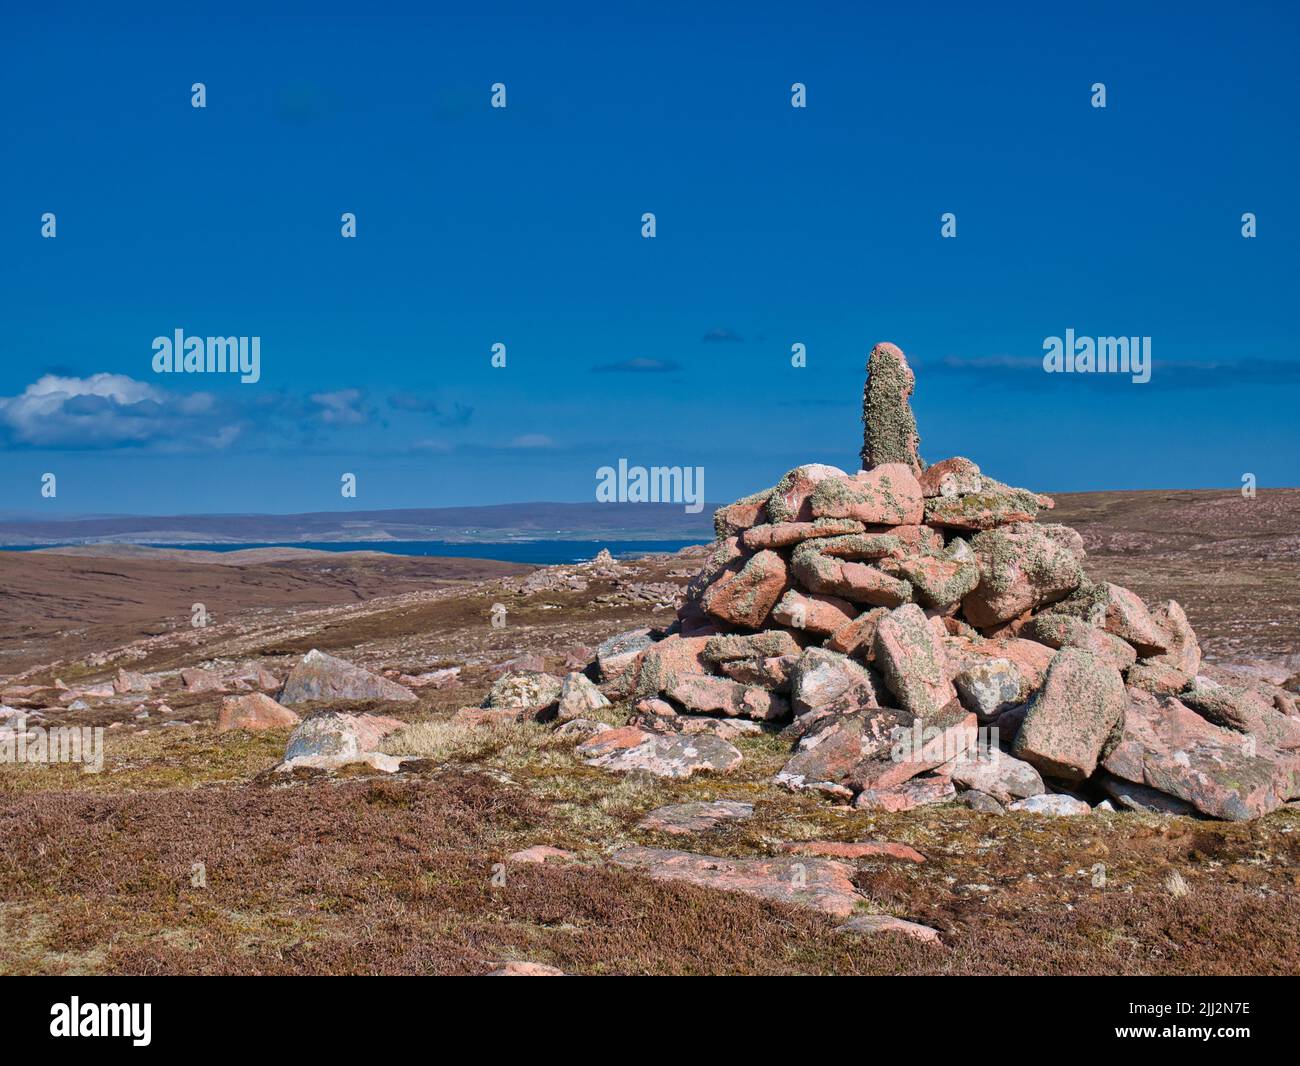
546	552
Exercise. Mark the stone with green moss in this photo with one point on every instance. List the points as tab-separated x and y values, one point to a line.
889	428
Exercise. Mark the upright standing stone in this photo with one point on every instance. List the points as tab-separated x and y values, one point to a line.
889	430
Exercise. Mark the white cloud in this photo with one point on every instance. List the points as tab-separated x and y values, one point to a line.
102	410
340	408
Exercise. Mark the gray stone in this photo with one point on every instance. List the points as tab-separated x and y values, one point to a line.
820	676
579	698
981	802
989	686
998	774
323	677
335	739
619	652
1054	804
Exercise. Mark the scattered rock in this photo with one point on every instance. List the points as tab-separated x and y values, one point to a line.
541	853
335	739
1167	746
527	969
980	801
443	678
197	680
1055	804
819	884
323	677
256	711
632	748
726	728
917	792
579	698
524	689
130	681
858	849
472	717
878	924
999	775
582	727
686	818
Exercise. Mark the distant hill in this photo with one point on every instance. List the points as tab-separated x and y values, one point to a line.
502	522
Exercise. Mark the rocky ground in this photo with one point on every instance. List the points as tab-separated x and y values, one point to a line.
475	842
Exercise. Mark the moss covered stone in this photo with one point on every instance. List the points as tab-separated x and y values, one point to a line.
889	429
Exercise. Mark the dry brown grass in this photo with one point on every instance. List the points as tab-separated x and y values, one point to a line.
396	877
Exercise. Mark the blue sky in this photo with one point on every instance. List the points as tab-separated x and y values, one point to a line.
775	225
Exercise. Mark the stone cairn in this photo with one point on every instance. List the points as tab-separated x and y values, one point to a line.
879	619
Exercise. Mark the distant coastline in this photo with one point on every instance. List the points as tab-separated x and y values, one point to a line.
426	531
537	552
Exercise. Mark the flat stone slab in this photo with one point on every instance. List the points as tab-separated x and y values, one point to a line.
541	853
876	924
632	748
527	969
818	884
685	818
853	849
